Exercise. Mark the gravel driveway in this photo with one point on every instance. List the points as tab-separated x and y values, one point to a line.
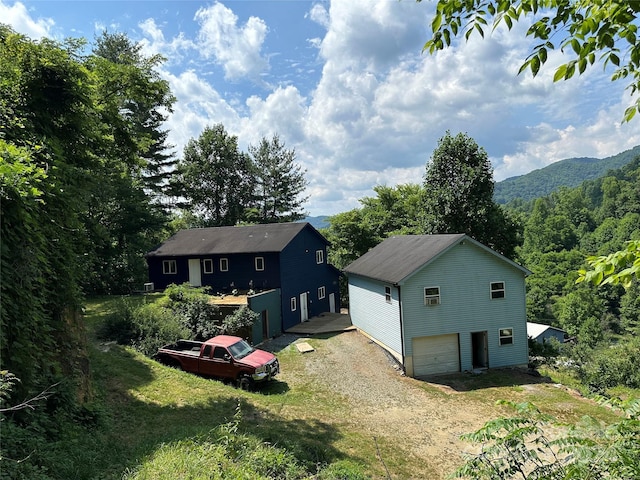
426	422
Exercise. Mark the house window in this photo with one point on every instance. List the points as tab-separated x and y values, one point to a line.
224	264
294	305
432	295
259	264
319	256
506	336
497	289
387	294
207	265
169	267
321	293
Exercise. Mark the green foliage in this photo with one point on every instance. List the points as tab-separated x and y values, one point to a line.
458	196
215	178
520	447
241	319
280	182
611	366
616	268
571	172
605	32
193	307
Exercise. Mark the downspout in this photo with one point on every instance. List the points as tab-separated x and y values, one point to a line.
404	370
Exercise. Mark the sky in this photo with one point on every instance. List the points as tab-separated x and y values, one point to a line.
346	85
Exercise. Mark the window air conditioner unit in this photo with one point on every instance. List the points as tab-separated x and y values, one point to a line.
148	287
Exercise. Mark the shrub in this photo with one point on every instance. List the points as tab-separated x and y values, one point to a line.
157	326
194	309
241	318
612	366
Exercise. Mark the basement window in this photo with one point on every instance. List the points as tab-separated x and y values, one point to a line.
506	336
497	290
169	267
432	295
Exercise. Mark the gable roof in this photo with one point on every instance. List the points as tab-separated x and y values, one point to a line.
534	330
396	258
266	238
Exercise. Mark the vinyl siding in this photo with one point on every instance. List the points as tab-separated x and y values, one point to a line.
464	274
371	313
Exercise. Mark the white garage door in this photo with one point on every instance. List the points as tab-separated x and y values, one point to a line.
438	354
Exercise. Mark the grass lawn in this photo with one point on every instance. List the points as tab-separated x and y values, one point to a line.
152	414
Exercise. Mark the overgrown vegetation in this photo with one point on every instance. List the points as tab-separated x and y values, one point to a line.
180	312
521	447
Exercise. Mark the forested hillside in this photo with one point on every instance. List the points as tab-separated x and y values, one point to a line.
565	173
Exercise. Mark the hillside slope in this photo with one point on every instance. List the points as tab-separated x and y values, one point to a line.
564	173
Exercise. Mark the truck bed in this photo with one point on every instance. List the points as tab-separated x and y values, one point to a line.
185	347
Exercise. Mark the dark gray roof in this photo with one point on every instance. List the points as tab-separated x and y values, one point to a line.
273	237
396	258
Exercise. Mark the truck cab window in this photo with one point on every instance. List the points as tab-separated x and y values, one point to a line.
219	353
207	351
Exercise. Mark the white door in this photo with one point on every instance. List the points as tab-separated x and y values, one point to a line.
437	354
195	278
304	308
332	302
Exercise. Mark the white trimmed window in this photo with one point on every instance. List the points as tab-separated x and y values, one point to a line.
224	264
321	293
207	265
506	336
259	264
169	267
294	304
319	256
497	290
387	294
432	295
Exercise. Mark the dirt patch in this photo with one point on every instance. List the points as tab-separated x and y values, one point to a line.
393	407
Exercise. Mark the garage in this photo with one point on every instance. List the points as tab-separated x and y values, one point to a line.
437	354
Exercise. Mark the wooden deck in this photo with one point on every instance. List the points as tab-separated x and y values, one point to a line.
324	323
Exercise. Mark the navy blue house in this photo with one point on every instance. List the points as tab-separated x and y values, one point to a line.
291	257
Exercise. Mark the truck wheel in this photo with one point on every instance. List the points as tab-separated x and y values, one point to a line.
245	383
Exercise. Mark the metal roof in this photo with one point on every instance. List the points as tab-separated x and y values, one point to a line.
272	237
398	257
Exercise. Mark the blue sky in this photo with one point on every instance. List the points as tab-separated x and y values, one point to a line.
345	84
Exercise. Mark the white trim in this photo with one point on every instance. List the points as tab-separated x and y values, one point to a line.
322	292
207	265
224	264
432	298
169	267
258	260
319	256
497	291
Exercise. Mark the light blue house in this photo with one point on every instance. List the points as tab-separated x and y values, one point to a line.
441	303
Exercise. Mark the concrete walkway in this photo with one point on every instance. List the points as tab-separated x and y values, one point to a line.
324	323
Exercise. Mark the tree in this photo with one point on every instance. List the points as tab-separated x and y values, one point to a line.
589	31
214	179
458	195
519	447
279	182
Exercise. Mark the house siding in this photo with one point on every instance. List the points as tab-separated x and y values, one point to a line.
464	274
370	312
300	273
269	301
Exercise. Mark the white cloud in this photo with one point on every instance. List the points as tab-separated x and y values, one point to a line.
21	21
154	42
236	48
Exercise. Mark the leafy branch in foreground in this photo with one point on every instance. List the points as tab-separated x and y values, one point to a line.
519	446
603	32
616	268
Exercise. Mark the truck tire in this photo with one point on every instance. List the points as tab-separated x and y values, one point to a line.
245	383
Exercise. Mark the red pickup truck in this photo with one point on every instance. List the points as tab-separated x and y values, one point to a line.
225	357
